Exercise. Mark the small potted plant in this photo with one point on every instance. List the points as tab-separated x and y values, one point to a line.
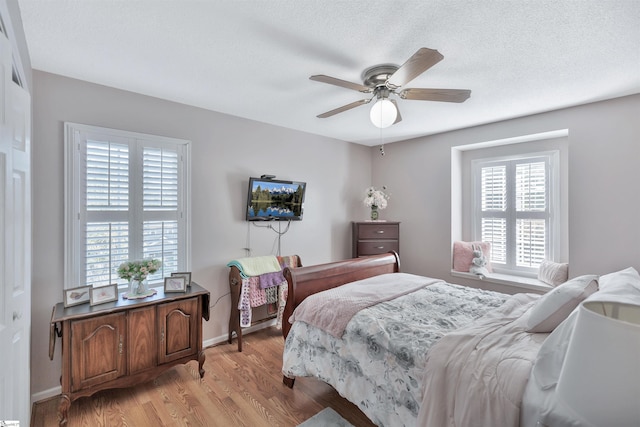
136	272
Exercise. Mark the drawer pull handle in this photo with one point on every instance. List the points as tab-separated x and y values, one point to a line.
380	231
380	247
120	345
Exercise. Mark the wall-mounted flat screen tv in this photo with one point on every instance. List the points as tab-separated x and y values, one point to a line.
275	199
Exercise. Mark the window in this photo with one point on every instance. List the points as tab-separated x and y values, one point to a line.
127	198
513	209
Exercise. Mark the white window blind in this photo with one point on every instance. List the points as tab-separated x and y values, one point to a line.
160	179
127	198
513	210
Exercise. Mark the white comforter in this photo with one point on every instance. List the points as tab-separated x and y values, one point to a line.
379	361
332	309
476	375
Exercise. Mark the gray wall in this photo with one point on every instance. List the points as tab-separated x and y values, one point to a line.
226	150
603	180
603	186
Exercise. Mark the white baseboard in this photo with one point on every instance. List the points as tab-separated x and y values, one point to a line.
46	394
222	338
56	391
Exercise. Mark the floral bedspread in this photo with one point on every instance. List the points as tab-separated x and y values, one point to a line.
381	357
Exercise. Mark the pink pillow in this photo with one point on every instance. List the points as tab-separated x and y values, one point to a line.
463	255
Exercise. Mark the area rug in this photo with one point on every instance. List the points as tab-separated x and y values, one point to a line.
326	417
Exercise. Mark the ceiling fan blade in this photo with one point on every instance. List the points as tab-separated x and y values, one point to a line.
420	62
398	117
343	108
339	82
443	95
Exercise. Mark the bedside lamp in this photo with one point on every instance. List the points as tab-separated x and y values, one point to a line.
600	377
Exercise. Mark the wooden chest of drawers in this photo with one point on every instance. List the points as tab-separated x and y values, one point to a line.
375	237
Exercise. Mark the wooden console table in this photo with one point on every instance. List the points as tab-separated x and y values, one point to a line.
126	342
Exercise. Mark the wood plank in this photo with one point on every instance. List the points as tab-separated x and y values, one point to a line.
238	389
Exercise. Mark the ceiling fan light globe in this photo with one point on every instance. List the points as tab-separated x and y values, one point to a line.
383	113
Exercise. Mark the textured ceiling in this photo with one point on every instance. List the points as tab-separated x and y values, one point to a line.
253	58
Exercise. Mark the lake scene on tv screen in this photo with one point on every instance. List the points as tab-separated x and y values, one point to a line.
272	199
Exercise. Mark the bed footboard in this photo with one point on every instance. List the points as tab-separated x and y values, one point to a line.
305	281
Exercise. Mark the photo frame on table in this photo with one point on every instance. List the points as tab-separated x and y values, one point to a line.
187	276
175	284
76	296
103	294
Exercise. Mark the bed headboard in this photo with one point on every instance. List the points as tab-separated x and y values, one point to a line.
305	281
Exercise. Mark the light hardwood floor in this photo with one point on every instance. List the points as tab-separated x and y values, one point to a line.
238	389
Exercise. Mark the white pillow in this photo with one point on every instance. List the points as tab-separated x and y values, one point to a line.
623	286
553	273
553	307
620	279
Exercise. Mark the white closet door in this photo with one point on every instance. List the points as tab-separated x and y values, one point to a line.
15	243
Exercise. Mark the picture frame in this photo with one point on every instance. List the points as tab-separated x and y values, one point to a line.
103	294
76	296
187	276
175	284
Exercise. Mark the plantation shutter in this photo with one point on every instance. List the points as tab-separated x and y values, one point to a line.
107	205
514	211
494	210
160	206
126	196
531	198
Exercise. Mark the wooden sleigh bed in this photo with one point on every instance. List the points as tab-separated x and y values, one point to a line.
316	278
394	374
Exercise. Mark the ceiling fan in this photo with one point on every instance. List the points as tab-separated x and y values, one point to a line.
384	80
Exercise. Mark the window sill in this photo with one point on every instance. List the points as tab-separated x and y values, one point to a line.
524	283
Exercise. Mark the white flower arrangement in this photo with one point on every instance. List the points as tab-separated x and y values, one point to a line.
376	198
138	270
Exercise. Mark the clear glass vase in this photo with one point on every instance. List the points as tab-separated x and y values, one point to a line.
374	213
138	286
